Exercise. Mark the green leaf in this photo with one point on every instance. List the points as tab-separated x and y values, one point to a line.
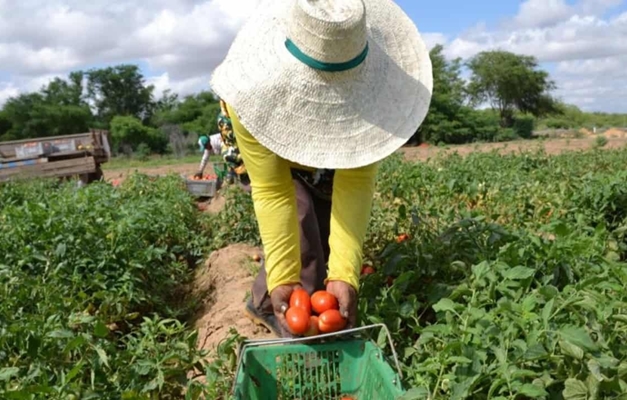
595	369
518	273
480	270
571	350
60	334
445	305
73	372
102	355
74	344
8	373
415	394
532	391
382	338
535	351
60	250
575	390
459	360
101	330
547	310
578	336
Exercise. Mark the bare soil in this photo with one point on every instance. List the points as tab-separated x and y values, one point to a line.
223	286
550	146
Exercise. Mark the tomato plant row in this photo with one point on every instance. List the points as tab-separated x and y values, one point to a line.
512	283
89	288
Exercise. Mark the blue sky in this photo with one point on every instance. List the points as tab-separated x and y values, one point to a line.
452	17
177	43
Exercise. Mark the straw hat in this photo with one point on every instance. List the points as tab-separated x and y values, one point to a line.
328	83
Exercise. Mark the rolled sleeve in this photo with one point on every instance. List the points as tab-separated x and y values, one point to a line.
274	201
353	191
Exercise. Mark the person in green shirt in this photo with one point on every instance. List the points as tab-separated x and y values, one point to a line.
318	93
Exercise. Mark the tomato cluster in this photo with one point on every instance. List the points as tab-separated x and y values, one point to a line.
310	316
210	177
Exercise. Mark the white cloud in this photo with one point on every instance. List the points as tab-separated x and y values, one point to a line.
7	91
186	38
538	13
586	46
181	41
434	38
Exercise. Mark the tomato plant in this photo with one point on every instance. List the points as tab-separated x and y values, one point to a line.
85	311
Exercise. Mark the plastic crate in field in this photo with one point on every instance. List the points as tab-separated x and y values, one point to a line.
202	188
299	369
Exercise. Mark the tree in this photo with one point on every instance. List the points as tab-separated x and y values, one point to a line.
510	82
58	109
119	90
449	120
128	134
447	98
196	113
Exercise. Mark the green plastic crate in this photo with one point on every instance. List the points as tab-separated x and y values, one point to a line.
220	169
292	370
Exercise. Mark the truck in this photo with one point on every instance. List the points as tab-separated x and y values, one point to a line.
79	155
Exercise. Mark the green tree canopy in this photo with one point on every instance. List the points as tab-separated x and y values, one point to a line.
449	120
58	109
510	82
196	113
119	90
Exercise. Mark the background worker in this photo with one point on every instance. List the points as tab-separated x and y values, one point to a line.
208	145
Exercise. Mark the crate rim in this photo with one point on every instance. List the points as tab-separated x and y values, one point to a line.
267	342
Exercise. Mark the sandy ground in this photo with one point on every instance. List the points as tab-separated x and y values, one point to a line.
551	146
223	285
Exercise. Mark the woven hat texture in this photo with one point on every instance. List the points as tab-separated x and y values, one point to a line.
328	83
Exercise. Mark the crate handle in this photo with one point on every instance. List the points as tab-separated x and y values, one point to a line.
266	342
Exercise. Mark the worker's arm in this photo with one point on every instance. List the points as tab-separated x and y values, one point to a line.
353	191
274	200
204	161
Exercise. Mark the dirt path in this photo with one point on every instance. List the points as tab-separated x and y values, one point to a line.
551	146
223	285
120	174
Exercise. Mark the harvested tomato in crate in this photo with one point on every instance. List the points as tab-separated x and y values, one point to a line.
207	186
323	367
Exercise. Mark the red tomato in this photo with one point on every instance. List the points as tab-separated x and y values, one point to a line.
322	301
390	280
297	320
331	321
300	298
402	238
313	326
367	270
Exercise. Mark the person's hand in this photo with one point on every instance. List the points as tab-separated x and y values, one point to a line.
347	299
198	175
280	298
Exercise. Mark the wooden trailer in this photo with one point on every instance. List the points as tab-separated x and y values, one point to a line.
80	155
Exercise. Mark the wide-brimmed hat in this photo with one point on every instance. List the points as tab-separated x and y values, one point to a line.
328	83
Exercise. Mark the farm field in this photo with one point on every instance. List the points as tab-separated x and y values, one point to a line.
511	285
119	168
